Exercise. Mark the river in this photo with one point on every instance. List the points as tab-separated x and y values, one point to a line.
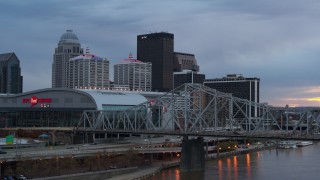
300	163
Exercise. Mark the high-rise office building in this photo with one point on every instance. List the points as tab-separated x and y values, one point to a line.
88	71
10	74
187	76
68	47
133	74
158	49
186	70
185	61
238	86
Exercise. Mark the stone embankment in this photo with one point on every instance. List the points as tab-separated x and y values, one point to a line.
238	152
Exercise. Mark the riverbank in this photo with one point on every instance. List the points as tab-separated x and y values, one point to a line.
99	175
238	152
146	173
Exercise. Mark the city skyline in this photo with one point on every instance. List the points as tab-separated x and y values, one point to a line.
275	41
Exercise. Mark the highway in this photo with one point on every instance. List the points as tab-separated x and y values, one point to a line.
150	145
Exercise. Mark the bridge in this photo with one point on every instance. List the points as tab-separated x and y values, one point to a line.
194	109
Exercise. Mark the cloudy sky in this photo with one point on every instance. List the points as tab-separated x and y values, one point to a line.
276	41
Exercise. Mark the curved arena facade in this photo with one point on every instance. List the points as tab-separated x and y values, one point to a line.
60	107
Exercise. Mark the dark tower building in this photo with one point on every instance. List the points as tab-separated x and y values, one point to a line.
238	86
187	76
10	74
186	69
158	48
185	61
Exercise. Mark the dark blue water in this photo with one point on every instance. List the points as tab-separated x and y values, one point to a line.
302	163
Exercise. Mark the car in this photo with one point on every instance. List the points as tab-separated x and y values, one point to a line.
8	178
112	167
21	177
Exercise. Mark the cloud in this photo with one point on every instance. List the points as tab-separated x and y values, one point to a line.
276	41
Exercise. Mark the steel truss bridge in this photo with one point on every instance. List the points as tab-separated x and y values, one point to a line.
194	109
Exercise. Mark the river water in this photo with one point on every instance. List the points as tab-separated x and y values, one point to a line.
302	163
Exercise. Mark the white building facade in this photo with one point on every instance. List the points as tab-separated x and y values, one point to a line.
88	71
133	75
68	47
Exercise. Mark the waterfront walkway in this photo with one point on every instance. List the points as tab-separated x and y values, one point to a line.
140	174
148	172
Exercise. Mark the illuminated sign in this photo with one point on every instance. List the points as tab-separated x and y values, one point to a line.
35	100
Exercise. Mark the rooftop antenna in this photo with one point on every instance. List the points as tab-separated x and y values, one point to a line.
87	50
130	55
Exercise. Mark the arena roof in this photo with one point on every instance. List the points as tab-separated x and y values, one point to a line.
103	97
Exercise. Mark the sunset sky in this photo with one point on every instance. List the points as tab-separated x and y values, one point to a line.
276	41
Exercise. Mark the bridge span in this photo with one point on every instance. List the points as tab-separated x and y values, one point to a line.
232	135
272	135
194	109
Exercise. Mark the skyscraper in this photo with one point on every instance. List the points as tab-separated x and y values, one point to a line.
68	47
238	86
186	70
158	49
185	61
187	76
88	71
133	74
10	74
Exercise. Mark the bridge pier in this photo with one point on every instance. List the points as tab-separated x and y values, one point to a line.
192	154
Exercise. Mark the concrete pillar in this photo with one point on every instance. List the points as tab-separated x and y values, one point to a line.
218	148
72	138
53	134
207	153
151	157
192	154
86	138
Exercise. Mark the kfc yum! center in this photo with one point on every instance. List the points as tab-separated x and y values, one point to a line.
59	107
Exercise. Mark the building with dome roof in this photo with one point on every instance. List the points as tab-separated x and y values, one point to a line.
133	74
88	71
68	47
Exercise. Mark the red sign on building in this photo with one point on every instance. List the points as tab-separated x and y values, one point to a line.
34	100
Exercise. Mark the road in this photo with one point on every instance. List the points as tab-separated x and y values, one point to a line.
139	144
